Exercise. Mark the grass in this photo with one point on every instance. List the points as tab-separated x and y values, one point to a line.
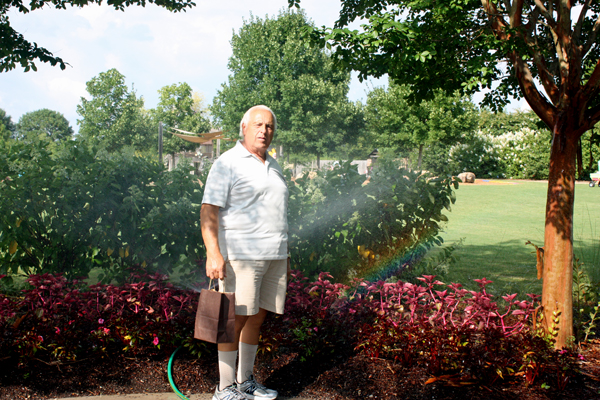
495	221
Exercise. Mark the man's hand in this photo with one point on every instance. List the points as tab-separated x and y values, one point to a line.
215	267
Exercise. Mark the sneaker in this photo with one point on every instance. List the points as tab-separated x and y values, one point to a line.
254	390
229	393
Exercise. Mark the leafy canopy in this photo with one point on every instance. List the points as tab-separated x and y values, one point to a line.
398	123
272	65
178	108
114	116
44	123
16	50
469	45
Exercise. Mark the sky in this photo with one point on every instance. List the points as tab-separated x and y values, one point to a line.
150	46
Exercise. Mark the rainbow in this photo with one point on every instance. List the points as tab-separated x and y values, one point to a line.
393	265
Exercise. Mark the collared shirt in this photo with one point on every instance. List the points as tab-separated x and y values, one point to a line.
253	199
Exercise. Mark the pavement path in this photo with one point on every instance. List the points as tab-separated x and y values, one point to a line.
157	396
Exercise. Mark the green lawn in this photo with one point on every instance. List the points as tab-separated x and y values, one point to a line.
495	221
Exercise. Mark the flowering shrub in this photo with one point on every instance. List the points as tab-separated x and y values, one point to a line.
444	327
520	154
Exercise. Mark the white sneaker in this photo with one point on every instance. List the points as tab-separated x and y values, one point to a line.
254	390
229	393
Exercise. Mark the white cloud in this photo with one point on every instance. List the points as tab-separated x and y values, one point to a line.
66	91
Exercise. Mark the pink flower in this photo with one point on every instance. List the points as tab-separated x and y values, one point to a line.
106	331
57	330
581	357
100	321
155	342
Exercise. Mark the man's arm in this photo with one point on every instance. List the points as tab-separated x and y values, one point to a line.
209	223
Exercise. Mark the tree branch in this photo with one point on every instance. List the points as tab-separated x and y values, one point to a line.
498	23
516	13
592	39
579	24
532	23
538	103
516	18
547	14
546	77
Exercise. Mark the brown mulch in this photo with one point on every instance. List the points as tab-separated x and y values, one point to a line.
335	378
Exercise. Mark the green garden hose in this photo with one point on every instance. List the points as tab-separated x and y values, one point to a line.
170	374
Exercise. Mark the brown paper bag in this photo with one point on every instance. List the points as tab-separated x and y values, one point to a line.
215	317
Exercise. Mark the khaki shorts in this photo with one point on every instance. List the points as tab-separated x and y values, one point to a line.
257	284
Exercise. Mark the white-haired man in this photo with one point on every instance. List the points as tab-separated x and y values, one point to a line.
244	227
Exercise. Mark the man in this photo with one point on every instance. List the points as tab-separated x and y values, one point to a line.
244	227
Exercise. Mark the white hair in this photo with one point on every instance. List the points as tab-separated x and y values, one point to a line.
246	118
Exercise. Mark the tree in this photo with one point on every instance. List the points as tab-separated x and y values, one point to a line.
7	127
398	123
544	51
271	65
179	108
114	116
15	49
44	123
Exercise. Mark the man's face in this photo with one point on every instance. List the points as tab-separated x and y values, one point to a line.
258	133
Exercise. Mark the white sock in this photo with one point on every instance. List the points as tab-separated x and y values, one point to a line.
227	361
246	364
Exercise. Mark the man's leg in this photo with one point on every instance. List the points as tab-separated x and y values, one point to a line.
249	344
228	353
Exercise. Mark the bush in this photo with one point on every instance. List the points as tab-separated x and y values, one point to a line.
342	224
506	146
460	335
81	208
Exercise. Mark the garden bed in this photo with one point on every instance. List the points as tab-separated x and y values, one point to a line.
356	377
370	340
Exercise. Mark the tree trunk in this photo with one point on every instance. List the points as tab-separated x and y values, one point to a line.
318	162
579	160
557	298
420	157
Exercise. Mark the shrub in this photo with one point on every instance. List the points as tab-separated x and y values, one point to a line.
341	224
516	151
79	208
456	333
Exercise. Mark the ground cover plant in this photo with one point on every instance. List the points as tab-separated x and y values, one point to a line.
458	337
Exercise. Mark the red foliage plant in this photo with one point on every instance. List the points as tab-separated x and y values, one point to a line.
449	329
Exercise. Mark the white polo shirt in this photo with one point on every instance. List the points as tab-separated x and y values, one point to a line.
253	199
